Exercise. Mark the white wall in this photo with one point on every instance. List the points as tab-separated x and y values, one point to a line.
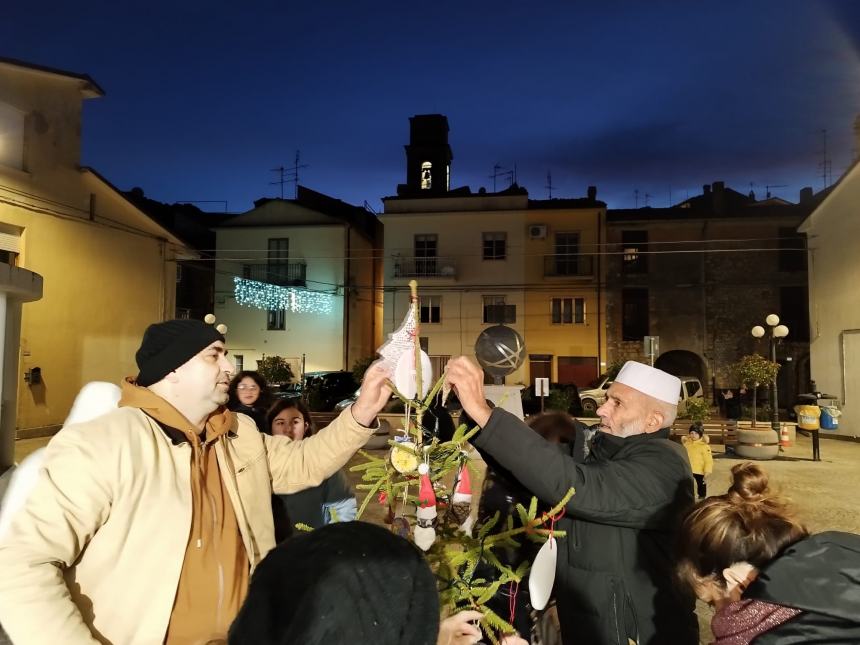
318	336
834	273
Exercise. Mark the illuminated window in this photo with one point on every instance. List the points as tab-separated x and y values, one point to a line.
447	177
426	180
12	122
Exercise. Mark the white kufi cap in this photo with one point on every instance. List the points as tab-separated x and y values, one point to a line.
651	381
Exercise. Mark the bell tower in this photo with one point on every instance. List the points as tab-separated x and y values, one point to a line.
428	157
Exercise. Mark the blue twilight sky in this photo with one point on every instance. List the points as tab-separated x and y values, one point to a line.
204	98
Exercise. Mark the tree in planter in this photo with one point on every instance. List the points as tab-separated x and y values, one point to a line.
275	369
754	370
698	410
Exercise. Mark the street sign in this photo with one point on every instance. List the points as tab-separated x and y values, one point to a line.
541	387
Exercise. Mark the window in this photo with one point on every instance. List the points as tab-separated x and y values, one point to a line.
424	344
794	312
426	175
276	319
239	362
279	260
495	246
792	250
634	316
12	128
566	311
183	313
496	311
567	253
178	273
632	245
430	309
425	254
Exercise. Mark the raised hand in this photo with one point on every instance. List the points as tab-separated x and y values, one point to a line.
460	629
373	396
467	379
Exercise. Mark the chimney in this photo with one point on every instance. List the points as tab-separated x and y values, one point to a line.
592	193
806	195
706	189
719	197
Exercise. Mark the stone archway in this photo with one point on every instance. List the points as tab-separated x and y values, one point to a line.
681	362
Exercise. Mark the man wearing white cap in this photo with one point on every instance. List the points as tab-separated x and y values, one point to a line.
615	568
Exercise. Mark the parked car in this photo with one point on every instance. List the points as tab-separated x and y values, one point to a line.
321	390
531	403
595	395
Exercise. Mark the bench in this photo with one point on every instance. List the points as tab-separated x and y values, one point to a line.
724	432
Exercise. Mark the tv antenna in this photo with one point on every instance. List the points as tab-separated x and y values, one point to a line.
767	188
289	175
498	171
825	165
549	183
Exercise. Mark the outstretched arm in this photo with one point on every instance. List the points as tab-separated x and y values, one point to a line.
631	492
298	465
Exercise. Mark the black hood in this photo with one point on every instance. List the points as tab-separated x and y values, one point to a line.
820	574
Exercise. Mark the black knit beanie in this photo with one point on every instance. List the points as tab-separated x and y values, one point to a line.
351	582
167	345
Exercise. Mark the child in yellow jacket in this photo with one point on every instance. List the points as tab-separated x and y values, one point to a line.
701	460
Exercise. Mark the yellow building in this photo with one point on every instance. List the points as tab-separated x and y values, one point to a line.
109	270
484	258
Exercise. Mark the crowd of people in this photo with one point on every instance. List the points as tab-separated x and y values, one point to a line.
172	518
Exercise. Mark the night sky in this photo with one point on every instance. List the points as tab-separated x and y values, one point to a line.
203	99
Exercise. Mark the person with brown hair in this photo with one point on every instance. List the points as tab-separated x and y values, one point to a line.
330	501
747	555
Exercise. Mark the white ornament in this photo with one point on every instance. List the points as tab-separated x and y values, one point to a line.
405	375
542	574
222	329
209	319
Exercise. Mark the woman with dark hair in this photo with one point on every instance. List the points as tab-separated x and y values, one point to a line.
329	502
250	394
769	581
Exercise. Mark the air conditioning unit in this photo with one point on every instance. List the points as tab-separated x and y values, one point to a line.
537	231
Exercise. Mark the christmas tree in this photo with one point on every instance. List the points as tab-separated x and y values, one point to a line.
426	483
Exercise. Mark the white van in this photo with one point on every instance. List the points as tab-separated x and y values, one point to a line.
595	395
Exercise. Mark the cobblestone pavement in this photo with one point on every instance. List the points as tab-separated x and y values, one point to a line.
824	492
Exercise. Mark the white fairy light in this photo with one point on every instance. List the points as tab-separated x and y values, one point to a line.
263	295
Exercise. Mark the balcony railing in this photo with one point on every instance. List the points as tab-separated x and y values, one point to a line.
288	274
568	265
434	267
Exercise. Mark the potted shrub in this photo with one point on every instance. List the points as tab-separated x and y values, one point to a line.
698	410
753	371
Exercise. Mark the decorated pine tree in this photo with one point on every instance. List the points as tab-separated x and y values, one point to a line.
426	484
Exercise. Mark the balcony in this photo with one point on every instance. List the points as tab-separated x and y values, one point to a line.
568	266
287	274
433	267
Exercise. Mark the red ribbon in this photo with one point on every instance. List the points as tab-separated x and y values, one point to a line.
513	590
552	520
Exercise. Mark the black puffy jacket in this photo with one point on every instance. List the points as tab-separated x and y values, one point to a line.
615	572
820	576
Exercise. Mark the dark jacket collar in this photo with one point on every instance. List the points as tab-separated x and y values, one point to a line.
606	446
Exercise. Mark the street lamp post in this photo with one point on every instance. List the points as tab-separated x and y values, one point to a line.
775	331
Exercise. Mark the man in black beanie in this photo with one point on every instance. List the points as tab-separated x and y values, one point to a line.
145	524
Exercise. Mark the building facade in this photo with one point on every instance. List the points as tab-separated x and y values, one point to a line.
109	270
834	310
299	279
488	258
700	275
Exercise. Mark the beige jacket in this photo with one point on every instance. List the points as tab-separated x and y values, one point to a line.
95	554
